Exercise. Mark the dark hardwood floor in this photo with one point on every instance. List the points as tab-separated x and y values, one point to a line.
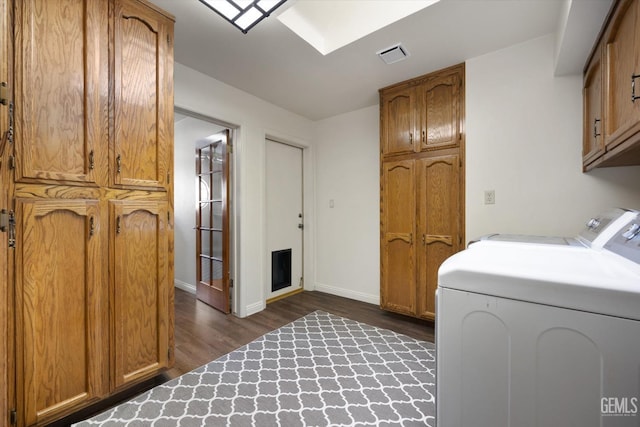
203	334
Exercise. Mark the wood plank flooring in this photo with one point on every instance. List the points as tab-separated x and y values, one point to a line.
203	334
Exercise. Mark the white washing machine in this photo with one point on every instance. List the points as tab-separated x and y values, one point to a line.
540	335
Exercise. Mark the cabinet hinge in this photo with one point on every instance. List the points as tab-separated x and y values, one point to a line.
168	40
168	216
12	162
169	353
8	225
13	417
230	149
301	282
168	177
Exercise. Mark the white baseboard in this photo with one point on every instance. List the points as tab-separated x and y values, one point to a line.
347	293
184	286
254	308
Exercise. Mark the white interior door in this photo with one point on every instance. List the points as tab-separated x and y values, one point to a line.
285	218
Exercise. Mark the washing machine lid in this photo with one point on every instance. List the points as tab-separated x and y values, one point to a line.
597	232
541	240
581	279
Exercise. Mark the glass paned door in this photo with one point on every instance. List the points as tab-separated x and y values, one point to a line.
212	223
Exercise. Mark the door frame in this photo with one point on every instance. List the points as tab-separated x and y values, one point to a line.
234	245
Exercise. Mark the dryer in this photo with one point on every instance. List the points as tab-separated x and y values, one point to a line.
535	334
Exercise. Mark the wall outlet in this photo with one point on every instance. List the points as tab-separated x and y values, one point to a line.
489	197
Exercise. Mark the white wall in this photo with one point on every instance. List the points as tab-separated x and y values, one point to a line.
348	235
255	118
524	140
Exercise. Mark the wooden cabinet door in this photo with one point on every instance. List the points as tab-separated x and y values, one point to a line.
622	62
140	294
61	307
143	93
593	142
440	112
439	223
397	124
398	213
61	91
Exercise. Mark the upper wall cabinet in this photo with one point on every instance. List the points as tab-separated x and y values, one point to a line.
141	136
593	142
422	114
618	53
397	111
61	82
440	112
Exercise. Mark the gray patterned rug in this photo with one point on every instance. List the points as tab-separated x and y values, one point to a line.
321	370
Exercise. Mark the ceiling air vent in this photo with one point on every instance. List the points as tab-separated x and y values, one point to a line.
393	54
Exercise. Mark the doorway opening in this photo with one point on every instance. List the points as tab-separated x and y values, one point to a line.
203	200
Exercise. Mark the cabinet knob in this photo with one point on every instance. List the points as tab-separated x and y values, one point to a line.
118	163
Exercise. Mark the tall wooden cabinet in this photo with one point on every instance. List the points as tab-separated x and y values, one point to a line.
90	167
422	187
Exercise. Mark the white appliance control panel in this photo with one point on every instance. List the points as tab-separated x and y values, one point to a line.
627	242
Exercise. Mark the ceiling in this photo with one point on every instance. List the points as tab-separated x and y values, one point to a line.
273	63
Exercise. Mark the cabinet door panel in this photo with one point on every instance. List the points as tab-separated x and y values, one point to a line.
139	289
141	138
61	90
439	223
593	142
440	99
60	307
398	211
397	124
622	61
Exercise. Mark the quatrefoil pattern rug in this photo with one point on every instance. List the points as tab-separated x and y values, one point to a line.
320	370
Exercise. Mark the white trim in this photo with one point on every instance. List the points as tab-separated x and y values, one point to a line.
254	308
188	287
347	293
